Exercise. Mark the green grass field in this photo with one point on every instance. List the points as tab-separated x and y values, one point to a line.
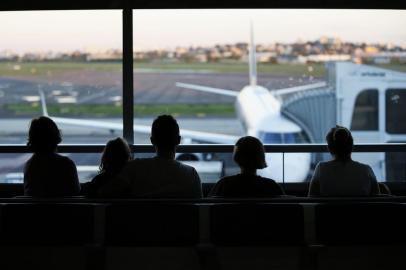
44	69
140	110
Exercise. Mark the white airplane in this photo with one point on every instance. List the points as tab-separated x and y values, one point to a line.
259	111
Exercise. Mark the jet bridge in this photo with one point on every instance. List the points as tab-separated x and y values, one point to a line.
313	110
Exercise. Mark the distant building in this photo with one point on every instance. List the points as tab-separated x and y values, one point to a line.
321	58
384	57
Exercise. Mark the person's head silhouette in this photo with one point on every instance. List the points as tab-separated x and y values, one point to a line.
165	135
249	154
43	135
115	156
340	143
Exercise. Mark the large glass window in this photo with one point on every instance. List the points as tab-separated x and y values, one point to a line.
75	59
194	65
396	111
366	109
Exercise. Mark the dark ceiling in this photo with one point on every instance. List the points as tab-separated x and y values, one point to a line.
150	4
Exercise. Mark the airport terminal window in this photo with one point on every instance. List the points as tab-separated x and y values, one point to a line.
192	64
77	67
75	59
365	115
396	111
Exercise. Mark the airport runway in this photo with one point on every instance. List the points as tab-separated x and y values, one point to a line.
149	87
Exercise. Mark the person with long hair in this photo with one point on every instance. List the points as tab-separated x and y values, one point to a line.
115	156
46	173
249	154
342	176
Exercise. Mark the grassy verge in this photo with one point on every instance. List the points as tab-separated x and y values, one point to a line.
238	67
47	69
141	110
44	69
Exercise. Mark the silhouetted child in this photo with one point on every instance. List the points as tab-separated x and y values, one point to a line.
342	176
249	154
48	174
115	156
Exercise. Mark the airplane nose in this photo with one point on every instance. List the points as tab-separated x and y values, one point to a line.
294	168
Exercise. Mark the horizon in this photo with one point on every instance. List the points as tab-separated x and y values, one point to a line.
403	46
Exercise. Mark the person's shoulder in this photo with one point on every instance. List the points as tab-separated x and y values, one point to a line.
225	181
99	177
361	165
230	178
64	160
266	180
261	178
184	167
325	163
364	168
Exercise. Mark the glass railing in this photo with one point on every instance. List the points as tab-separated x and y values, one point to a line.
286	163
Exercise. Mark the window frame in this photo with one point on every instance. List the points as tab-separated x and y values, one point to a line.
376	95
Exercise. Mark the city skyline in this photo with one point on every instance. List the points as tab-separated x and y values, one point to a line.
101	30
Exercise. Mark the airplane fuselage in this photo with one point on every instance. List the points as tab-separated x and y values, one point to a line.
260	114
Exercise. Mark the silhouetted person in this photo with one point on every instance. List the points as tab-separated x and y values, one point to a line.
342	176
115	156
249	154
48	174
161	176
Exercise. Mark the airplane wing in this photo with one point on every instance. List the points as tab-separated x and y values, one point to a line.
190	134
291	90
201	136
207	89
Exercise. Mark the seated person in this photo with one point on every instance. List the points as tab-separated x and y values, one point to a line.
46	173
249	154
115	156
342	176
161	176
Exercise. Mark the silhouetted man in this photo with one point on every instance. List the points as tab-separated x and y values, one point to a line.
161	176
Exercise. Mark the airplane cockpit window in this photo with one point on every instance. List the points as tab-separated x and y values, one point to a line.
365	115
280	138
396	111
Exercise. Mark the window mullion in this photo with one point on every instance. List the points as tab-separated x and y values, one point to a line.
128	79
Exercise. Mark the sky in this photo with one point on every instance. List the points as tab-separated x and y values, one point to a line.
32	31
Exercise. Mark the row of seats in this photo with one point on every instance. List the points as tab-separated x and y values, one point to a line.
185	224
187	235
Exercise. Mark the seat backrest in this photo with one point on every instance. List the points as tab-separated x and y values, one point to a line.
46	224
153	224
360	223
257	224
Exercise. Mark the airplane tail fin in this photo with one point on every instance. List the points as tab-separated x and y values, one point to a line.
43	103
252	58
